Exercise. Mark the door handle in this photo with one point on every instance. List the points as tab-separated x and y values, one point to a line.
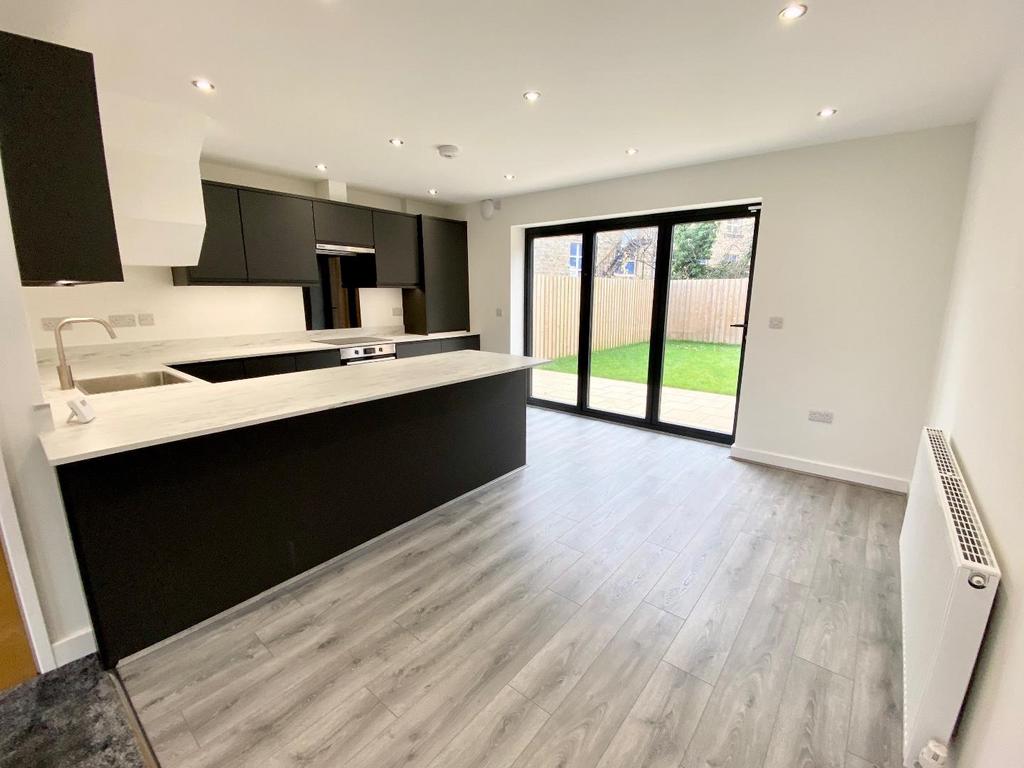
737	325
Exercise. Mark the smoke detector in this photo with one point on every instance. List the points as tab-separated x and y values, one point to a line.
448	151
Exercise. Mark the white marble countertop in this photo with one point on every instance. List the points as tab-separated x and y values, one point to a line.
111	359
143	417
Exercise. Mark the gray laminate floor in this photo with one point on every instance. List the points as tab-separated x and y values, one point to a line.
629	600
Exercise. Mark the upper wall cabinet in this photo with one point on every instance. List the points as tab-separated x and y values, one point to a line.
53	162
341	224
222	258
253	237
279	243
397	246
442	304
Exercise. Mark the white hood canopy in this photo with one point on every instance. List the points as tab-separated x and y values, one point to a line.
152	153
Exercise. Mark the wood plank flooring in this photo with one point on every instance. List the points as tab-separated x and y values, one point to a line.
629	600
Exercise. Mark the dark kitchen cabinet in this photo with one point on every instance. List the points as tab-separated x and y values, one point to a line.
442	303
343	224
53	164
214	371
436	346
172	534
417	348
279	242
222	258
460	342
396	242
268	365
310	361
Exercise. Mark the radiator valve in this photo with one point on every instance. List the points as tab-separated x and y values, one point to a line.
933	755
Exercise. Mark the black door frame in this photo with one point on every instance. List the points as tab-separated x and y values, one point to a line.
656	362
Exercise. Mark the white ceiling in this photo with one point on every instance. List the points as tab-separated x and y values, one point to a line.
307	81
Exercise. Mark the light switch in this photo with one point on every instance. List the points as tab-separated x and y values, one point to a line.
146	318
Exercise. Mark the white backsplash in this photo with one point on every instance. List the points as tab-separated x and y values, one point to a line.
185	312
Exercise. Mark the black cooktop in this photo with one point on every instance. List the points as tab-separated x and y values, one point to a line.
346	341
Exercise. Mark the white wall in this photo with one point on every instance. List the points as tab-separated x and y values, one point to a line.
250	177
39	527
979	400
856	246
398	203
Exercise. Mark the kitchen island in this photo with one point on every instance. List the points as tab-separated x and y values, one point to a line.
186	500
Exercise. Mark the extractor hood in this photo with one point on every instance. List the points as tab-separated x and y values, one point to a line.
152	153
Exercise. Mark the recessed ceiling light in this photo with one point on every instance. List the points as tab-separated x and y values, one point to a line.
827	112
792	11
321	167
510	177
432	192
204	85
396	142
531	96
632	151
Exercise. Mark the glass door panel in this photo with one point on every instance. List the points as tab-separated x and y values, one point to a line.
555	303
709	278
620	324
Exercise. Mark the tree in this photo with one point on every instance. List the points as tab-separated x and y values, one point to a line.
692	246
691	249
634	245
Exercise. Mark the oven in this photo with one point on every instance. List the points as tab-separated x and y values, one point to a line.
377	353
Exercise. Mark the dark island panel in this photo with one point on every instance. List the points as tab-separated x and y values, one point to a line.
173	534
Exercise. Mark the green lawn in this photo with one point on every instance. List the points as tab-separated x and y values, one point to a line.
688	365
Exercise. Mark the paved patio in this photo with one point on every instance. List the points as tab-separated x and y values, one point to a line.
702	410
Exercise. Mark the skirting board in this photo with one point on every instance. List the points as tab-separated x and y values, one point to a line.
75	646
833	471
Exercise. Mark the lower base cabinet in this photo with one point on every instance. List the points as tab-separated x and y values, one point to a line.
460	342
436	346
170	535
417	348
216	371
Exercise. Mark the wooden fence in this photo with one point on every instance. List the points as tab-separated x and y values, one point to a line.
698	310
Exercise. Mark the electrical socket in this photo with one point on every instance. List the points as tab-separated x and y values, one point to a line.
146	318
497	312
122	321
50	324
825	417
775	323
396	311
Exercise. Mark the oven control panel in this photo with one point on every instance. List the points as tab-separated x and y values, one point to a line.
363	353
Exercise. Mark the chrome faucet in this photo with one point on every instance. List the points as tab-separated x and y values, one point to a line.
67	381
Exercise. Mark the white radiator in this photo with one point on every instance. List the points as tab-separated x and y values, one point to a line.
948	578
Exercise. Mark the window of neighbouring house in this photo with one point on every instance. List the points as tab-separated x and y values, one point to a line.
627	268
575	257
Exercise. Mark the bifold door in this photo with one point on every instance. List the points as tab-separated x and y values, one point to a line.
643	319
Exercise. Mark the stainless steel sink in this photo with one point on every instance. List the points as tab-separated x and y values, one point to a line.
127	381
